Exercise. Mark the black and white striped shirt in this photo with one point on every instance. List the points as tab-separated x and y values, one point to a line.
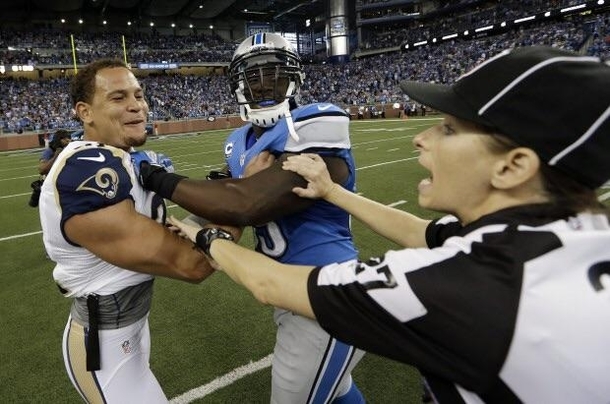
513	307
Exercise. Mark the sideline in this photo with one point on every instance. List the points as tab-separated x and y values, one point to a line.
222	381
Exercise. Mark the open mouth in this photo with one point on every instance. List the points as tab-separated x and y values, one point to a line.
427	181
135	122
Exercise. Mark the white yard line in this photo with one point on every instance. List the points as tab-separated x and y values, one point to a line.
222	381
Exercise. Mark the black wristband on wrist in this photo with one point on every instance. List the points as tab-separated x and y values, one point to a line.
162	182
206	236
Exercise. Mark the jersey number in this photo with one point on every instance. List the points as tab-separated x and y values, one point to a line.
388	283
271	241
158	211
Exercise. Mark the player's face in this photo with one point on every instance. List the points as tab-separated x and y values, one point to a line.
118	110
460	165
266	88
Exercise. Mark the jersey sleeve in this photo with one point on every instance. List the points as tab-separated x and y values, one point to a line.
439	230
319	126
91	179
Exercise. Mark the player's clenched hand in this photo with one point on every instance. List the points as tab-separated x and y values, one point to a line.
147	162
313	169
184	229
258	163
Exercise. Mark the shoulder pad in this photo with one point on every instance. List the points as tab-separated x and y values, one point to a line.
319	125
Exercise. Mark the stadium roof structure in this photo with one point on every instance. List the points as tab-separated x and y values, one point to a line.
208	11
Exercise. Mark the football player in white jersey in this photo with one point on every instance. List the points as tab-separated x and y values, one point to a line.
107	236
507	299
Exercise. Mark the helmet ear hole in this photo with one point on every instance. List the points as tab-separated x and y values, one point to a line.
265	76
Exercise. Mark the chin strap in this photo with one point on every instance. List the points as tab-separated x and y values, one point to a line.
290	125
246	113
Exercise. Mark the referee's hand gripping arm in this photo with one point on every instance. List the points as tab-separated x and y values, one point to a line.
399	226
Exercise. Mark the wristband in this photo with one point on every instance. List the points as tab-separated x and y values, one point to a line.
162	182
206	236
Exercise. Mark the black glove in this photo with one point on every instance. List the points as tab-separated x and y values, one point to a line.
206	236
154	178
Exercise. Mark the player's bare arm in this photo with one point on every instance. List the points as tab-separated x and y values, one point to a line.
120	235
257	199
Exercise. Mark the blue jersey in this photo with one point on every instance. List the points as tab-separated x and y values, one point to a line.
320	234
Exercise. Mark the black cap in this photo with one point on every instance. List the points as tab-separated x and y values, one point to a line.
553	101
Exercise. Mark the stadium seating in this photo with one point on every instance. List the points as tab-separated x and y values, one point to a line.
44	105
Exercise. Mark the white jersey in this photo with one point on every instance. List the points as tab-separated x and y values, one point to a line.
513	307
85	177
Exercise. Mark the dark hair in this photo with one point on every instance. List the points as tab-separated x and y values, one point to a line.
82	86
57	138
564	191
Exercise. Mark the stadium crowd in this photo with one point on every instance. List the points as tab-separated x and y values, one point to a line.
465	15
44	104
53	46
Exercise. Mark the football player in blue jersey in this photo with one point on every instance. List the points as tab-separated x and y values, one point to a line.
106	235
309	366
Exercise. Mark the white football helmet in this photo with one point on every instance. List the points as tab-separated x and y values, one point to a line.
265	74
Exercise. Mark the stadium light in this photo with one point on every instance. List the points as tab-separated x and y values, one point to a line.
482	29
80	20
128	22
530	18
600	2
190	25
104	22
63	20
579	6
211	27
152	24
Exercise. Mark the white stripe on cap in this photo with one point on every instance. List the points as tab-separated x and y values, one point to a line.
480	65
533	69
581	139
